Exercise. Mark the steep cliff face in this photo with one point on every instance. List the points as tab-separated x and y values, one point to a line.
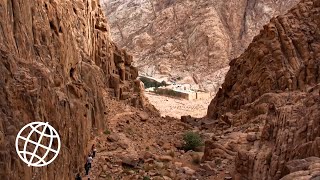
272	92
187	38
58	65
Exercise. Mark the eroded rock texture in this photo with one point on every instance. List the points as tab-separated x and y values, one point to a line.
58	65
189	38
272	94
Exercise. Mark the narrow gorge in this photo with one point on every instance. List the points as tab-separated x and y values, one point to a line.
188	43
63	64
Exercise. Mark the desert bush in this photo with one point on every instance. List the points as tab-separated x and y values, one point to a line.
163	83
150	83
107	132
192	140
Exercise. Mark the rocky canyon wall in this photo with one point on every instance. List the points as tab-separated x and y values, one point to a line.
186	38
58	65
272	92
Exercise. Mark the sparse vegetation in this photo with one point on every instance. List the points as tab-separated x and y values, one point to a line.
146	178
192	140
163	83
151	83
107	132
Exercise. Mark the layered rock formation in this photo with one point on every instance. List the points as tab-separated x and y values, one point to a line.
186	38
58	65
272	94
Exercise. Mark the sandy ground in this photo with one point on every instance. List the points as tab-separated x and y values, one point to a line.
174	107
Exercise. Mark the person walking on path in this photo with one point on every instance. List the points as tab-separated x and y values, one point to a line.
93	150
87	168
78	177
89	160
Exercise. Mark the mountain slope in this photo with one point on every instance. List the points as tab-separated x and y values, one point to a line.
184	38
58	65
272	95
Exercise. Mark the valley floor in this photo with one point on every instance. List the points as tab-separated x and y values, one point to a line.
138	145
175	107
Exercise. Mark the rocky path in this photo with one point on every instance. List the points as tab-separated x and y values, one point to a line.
137	145
114	120
141	146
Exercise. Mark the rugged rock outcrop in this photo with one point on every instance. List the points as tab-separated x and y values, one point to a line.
272	94
282	58
58	65
191	39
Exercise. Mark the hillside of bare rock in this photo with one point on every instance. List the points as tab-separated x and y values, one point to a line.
141	145
189	39
59	65
271	97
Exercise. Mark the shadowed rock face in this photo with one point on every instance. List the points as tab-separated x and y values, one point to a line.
284	57
186	38
273	91
58	65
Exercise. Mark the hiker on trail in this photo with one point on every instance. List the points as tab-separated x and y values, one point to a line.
87	168
89	160
78	177
93	150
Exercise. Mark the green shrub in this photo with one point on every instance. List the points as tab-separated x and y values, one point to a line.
192	140
163	83
151	83
107	132
146	178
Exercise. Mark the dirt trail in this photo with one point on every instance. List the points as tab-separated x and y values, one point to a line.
138	145
103	153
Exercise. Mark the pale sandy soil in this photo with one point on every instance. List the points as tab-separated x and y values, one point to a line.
174	107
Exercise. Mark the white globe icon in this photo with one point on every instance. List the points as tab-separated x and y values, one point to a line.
38	144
